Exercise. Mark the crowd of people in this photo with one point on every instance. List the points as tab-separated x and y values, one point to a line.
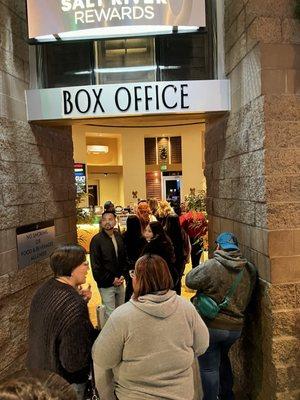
152	336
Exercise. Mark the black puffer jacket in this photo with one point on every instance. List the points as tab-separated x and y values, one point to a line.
214	278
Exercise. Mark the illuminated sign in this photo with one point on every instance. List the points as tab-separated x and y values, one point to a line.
98	101
80	177
81	19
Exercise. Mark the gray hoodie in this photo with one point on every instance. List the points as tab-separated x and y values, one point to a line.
214	278
148	347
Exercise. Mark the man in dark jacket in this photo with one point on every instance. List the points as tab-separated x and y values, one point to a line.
214	278
109	263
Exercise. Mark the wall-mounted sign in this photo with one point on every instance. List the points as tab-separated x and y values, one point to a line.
80	177
78	19
128	99
35	242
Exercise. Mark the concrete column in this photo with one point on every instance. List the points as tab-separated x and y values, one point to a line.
134	172
252	171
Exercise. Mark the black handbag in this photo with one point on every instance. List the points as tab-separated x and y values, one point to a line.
91	392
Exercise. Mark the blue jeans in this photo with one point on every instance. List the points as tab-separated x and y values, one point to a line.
215	367
112	297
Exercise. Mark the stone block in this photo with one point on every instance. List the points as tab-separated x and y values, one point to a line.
218	170
291	30
69	208
7	240
283	296
263	267
270	8
265	29
261	215
283	215
72	192
236	54
21	194
280	243
226	225
232	167
225	189
22	278
30	173
259	240
285	351
61	226
8	217
296	242
285	269
280	56
291	395
282	134
11	64
12	87
278	188
273	81
8	172
287	160
43	269
287	380
32	213
4	332
285	323
8	150
60	192
240	189
5	286
252	164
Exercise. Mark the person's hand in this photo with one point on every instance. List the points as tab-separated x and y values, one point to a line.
121	279
85	293
116	282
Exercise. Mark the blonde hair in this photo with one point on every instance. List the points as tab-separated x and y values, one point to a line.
164	209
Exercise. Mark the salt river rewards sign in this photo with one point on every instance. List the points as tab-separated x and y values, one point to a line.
49	17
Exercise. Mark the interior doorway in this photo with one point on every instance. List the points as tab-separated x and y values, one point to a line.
171	189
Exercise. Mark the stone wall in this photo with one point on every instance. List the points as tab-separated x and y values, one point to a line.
37	184
252	172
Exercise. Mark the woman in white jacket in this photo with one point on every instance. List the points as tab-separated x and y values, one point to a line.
148	345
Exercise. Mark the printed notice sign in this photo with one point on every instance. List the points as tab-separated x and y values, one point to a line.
50	17
35	242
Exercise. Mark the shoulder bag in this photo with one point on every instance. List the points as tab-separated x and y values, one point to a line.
208	308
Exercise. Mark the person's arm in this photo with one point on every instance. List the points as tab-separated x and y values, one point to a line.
199	278
200	334
75	345
107	354
100	273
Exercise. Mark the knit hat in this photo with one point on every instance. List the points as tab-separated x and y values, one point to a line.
227	241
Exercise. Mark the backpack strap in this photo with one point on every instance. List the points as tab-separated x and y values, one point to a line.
227	299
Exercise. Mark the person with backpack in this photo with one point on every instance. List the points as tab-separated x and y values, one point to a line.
224	287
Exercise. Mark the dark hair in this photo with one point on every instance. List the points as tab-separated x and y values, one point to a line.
134	227
152	275
41	385
25	389
65	259
173	230
157	228
109	212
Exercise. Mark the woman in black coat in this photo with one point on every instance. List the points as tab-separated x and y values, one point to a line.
134	243
159	243
181	244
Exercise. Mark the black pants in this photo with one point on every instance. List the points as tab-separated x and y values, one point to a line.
197	249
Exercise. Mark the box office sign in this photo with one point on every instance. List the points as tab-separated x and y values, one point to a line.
98	101
35	242
50	17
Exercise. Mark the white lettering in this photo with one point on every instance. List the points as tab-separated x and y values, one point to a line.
116	2
79	16
101	15
89	16
78	4
149	12
66	5
89	4
126	12
138	12
115	14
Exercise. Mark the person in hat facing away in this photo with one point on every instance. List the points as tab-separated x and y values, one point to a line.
213	278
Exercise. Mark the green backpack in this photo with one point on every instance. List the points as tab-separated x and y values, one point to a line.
208	308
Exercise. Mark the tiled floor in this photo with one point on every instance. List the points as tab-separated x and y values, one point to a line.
96	299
